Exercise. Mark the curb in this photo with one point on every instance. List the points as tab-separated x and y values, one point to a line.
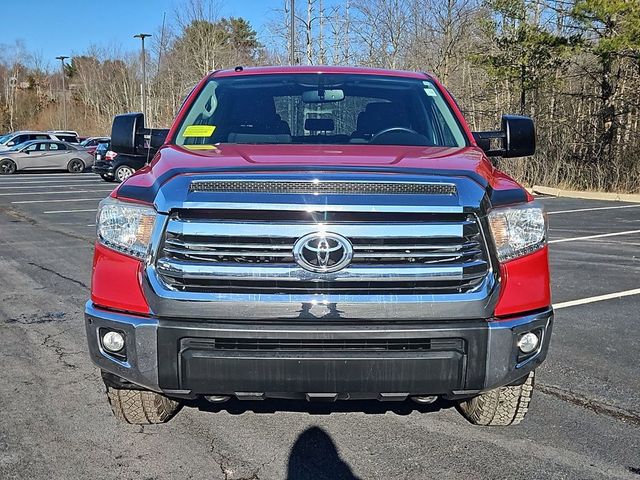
616	197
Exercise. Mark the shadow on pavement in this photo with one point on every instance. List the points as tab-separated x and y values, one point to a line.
314	456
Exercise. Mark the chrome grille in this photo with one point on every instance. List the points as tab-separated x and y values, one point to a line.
221	254
324	187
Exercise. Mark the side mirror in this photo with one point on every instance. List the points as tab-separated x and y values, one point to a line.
129	135
517	138
10	144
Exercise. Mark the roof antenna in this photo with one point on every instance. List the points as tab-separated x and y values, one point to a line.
239	68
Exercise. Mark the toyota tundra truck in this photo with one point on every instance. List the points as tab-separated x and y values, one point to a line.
320	233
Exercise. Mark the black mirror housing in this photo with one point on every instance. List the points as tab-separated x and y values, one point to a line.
129	135
124	131
517	138
520	136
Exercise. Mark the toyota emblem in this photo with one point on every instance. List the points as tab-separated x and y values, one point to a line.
322	252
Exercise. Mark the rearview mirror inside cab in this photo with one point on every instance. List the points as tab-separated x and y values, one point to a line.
322	96
516	138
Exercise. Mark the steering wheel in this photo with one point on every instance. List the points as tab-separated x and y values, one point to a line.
392	129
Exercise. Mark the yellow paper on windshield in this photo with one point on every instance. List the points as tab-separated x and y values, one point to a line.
199	131
200	147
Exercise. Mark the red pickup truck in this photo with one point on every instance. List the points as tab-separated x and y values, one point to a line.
320	233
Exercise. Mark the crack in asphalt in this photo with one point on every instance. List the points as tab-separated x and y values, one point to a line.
59	350
35	319
593	405
70	279
224	461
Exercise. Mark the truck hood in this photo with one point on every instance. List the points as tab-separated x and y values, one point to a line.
166	181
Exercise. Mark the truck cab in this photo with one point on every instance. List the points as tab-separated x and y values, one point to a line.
320	233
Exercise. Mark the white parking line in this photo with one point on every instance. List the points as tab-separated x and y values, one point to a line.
53	193
599	298
589	237
52	173
591	209
48	184
70	211
59	200
31	187
47	177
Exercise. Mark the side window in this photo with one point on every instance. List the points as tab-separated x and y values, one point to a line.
33	147
54	146
40	137
20	139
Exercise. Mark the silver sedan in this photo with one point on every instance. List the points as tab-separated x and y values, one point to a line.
45	155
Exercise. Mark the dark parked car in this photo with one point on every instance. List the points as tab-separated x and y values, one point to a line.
90	144
112	166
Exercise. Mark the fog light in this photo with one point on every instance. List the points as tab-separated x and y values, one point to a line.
528	342
113	341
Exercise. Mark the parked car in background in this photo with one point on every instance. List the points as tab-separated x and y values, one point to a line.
69	136
13	139
45	155
101	149
112	166
90	144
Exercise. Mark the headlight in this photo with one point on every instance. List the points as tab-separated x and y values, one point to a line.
518	230
125	227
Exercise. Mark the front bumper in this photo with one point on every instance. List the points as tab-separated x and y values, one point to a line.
185	358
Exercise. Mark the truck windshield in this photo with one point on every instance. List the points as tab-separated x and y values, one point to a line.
320	109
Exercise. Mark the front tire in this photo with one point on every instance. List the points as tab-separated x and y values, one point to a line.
123	172
501	406
7	167
76	166
141	407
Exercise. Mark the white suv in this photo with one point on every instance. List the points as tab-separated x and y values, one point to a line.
10	140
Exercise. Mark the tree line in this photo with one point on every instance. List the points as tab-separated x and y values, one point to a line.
573	65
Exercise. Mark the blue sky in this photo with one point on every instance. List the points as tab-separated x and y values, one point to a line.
63	27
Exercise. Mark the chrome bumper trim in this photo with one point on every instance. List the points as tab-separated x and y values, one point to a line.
141	367
228	306
141	344
503	352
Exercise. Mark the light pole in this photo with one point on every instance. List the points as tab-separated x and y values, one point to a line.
142	36
292	34
62	58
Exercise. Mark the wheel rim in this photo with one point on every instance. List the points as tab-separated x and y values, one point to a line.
76	166
7	167
124	173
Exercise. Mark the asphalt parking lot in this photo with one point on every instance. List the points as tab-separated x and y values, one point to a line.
55	423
